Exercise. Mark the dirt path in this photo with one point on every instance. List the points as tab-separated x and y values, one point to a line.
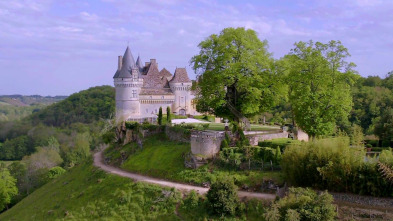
98	162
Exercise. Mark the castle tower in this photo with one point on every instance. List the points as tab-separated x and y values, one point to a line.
128	86
181	87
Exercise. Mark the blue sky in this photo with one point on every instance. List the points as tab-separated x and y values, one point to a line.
51	47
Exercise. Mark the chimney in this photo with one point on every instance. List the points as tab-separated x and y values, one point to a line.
119	62
147	64
153	61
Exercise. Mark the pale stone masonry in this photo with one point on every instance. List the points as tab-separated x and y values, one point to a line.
142	89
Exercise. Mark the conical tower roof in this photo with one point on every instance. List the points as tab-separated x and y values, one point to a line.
180	76
139	62
127	65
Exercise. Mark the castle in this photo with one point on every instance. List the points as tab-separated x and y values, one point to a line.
142	89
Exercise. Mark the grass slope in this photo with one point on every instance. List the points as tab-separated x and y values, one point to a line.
163	158
87	193
160	157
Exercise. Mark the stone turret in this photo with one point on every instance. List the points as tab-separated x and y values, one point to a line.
128	86
180	85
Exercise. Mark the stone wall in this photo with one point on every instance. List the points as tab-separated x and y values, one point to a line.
206	144
254	139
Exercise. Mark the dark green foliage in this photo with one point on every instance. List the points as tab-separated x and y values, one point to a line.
168	114
85	107
16	148
160	116
222	197
384	126
302	205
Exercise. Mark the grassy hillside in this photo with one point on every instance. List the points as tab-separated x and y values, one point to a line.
90	194
87	193
163	158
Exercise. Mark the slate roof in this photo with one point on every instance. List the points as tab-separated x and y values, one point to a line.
139	64
180	76
128	63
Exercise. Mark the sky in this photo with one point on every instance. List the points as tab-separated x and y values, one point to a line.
56	47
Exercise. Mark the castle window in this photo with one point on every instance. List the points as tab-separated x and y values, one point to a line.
151	97
162	97
133	93
147	110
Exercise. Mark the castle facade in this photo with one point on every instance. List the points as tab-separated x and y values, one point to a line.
141	89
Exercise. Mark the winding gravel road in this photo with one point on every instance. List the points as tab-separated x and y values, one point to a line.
98	162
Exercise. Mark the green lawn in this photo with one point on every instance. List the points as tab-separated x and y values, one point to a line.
160	157
163	158
221	127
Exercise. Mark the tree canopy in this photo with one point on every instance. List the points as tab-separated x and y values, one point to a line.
235	69
319	80
8	187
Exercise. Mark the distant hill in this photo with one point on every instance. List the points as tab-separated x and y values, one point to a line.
22	100
85	106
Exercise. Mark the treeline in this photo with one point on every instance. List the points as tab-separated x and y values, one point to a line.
48	142
372	104
12	113
86	107
54	152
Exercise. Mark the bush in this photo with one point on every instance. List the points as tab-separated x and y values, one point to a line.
222	197
302	204
331	164
55	172
191	201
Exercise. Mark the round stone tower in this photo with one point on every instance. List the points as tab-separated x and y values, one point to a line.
181	87
128	86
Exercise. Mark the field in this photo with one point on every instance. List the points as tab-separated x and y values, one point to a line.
163	158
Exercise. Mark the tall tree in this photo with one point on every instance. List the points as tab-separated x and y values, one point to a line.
168	115
160	116
236	74
319	80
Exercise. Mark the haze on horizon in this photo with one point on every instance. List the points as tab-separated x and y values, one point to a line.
50	47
